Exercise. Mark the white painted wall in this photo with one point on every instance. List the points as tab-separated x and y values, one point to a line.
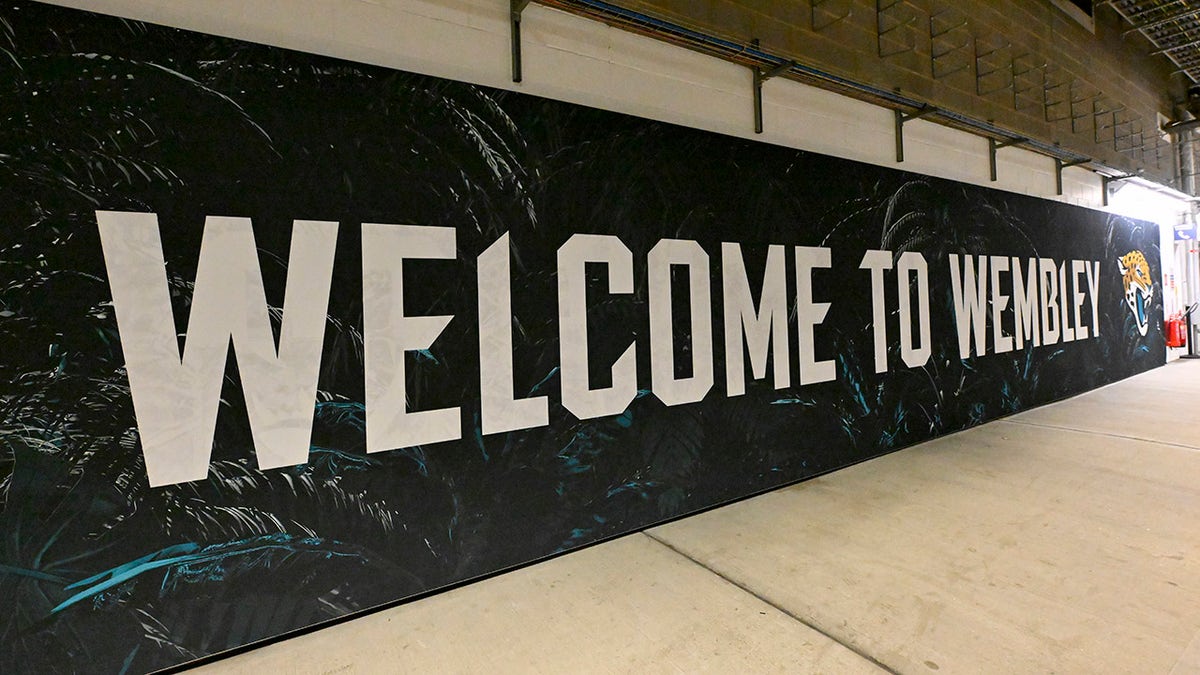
583	61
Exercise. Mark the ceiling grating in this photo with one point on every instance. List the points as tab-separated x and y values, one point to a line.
1172	26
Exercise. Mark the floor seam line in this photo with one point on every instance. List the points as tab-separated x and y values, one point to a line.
1099	433
785	611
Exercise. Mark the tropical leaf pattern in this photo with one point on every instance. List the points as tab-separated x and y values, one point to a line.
100	572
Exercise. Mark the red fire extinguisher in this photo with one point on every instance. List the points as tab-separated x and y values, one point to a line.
1174	331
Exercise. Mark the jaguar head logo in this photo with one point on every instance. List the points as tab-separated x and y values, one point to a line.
1139	289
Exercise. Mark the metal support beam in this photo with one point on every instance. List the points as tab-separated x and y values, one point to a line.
901	118
1059	165
993	146
516	7
1105	180
761	76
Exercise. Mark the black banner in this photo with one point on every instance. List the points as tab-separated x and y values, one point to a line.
286	338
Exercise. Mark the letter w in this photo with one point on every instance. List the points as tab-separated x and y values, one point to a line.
175	399
970	303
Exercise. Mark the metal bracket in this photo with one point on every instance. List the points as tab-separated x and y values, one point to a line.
1117	135
819	5
1073	103
981	73
993	146
935	35
1097	111
1158	146
761	76
516	7
1017	78
1047	88
901	118
1136	138
1059	165
900	24
1104	182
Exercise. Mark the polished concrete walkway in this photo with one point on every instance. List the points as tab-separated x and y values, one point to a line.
1065	539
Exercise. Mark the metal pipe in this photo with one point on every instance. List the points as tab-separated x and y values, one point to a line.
1180	127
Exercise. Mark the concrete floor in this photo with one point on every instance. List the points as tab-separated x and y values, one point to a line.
1065	539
